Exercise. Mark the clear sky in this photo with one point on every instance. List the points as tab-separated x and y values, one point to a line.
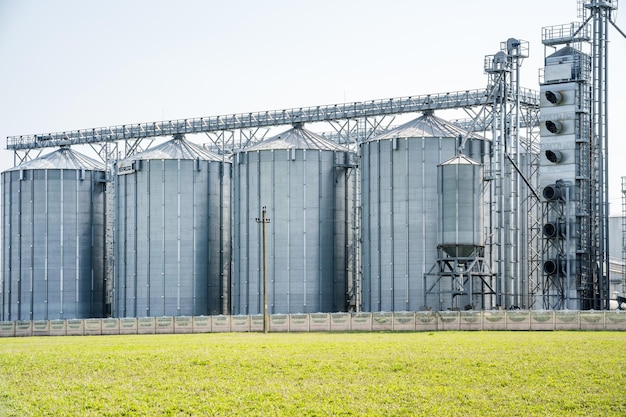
73	64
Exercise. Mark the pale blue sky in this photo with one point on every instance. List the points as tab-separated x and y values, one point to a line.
72	64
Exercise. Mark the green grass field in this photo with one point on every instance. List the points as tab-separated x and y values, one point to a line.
316	374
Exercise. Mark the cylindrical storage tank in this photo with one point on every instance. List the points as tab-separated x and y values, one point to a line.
172	239
53	238
302	180
461	207
400	209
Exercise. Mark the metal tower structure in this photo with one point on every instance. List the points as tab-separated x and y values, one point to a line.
573	165
513	197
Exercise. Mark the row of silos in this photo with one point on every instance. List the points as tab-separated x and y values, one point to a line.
175	218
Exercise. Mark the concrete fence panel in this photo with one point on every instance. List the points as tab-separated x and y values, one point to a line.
404	321
299	323
220	324
164	325
340	322
361	322
494	320
146	325
23	328
592	320
7	328
518	320
58	327
41	328
426	321
256	323
319	322
542	320
110	326
129	325
566	320
240	324
382	321
279	323
92	327
202	324
471	320
183	324
449	320
615	320
75	328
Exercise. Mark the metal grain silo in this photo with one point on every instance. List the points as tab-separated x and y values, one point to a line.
303	181
400	209
53	238
172	238
460	207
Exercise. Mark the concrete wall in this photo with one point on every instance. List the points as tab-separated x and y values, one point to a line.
520	320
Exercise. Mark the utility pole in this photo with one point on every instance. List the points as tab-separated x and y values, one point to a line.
264	220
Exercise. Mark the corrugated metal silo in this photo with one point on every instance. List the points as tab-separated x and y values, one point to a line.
172	239
460	207
53	238
400	208
302	180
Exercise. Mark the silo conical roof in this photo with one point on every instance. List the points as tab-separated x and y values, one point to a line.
460	160
297	138
177	148
63	158
425	126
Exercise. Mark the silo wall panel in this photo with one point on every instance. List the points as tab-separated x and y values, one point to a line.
298	189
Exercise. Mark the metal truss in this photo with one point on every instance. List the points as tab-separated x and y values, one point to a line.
248	125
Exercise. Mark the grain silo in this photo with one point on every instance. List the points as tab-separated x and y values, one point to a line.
460	207
53	238
303	181
400	208
463	277
172	239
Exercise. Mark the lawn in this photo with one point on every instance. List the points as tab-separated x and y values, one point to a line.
316	374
